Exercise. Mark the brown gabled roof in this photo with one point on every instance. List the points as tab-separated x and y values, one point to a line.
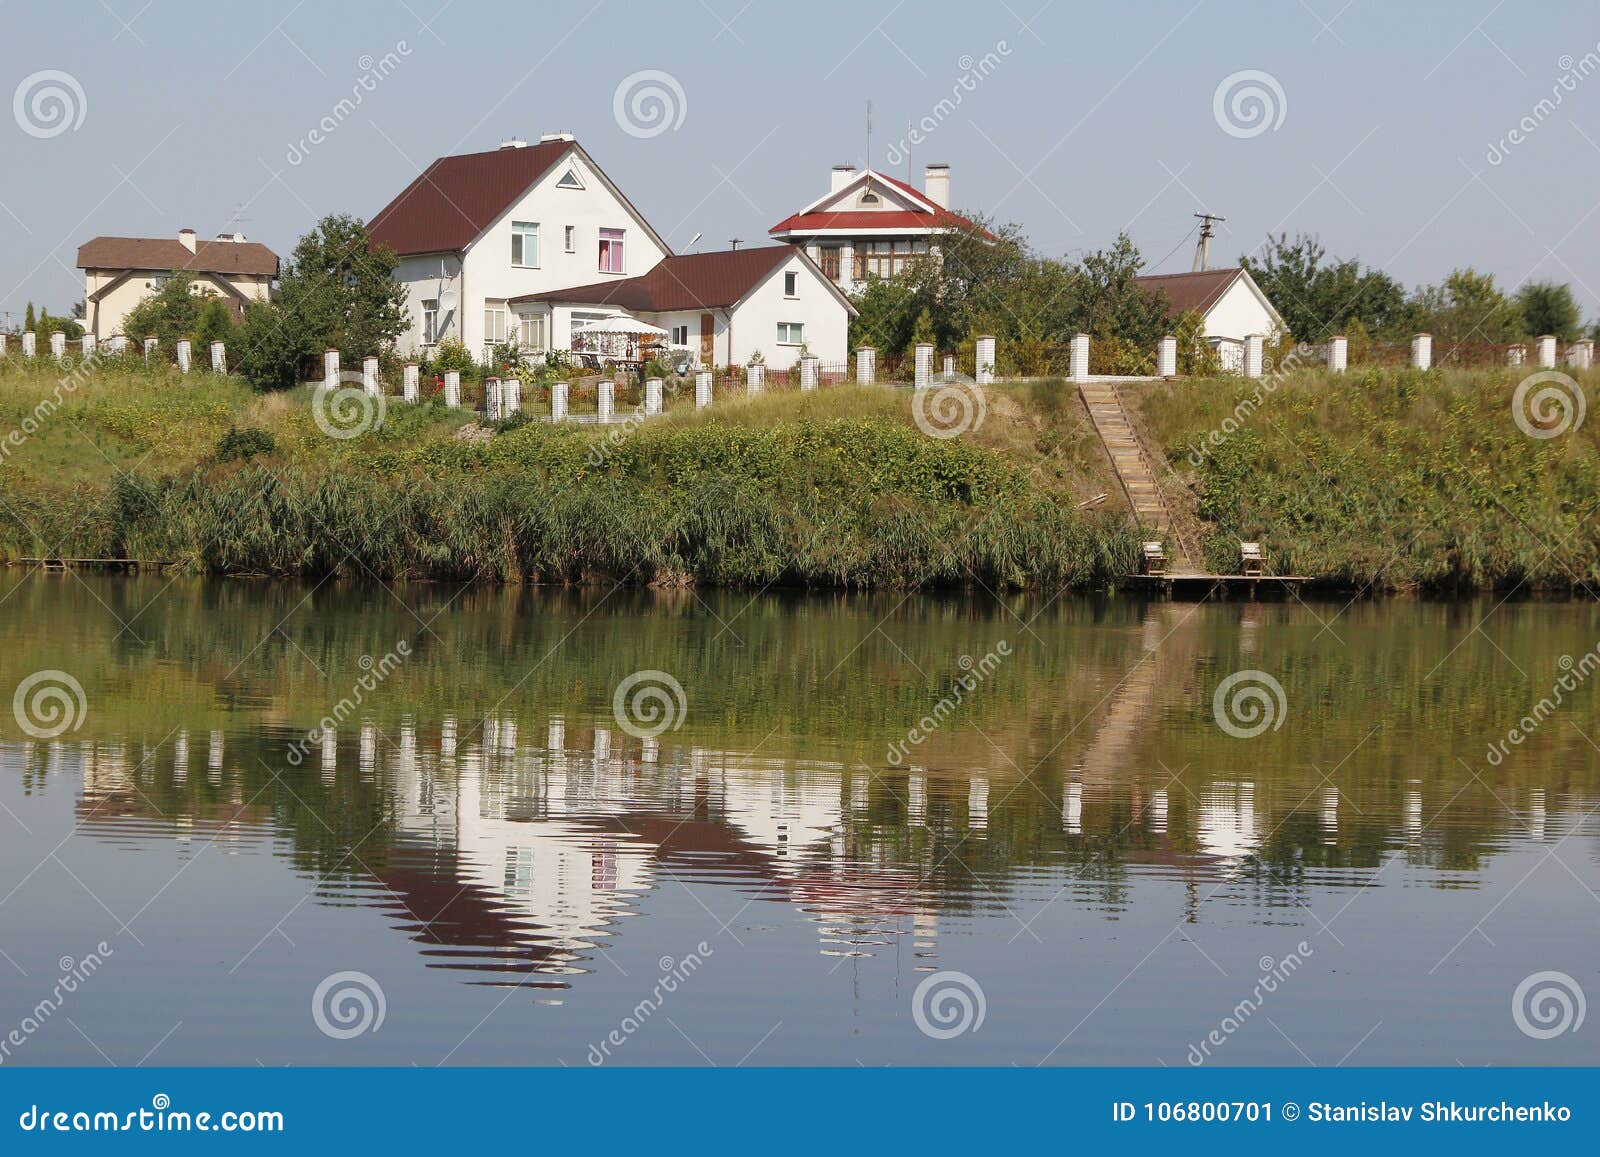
692	281
158	254
1186	291
457	198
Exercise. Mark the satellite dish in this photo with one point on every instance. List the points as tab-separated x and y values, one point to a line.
447	296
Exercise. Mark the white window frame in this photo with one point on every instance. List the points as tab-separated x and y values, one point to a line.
530	330
430	321
791	284
495	317
571	239
521	231
619	242
680	335
791	333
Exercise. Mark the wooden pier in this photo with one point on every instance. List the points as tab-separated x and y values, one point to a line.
111	565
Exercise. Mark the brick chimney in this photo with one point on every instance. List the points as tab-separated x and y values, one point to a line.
936	184
841	176
186	239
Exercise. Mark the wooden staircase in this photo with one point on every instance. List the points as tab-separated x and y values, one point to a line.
1133	468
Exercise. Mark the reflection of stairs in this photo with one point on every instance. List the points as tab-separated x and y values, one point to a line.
1133	469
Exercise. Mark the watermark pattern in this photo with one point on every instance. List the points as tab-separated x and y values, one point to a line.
49	703
949	410
371	74
348	410
348	1004
648	103
1548	1004
1300	356
73	973
648	703
1248	103
1571	74
971	678
1273	974
972	73
1548	404
1573	675
948	1004
48	103
156	1119
673	974
1248	703
374	673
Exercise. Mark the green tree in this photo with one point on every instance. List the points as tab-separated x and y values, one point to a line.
28	320
1468	307
215	323
170	313
1319	298
1549	307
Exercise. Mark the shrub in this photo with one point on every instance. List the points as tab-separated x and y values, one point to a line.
242	445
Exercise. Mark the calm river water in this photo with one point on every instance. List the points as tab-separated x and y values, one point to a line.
635	828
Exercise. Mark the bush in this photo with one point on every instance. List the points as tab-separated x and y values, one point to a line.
242	445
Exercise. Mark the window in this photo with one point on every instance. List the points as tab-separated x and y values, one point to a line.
867	198
791	285
611	250
530	331
829	261
791	333
569	180
430	321
886	258
494	322
572	238
680	335
525	244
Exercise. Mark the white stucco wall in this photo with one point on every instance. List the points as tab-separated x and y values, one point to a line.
1239	313
815	306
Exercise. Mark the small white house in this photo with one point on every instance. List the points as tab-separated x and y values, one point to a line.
1230	303
724	307
478	231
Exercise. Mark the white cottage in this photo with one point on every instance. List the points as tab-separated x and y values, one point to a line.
1230	303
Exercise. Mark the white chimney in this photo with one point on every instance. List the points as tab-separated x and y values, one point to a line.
513	143
558	136
841	176
186	239
936	185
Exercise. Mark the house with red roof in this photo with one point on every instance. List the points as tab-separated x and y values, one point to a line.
871	224
1231	306
120	272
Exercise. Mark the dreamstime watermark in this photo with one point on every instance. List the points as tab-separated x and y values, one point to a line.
1248	103
372	73
648	703
1299	356
648	103
673	974
616	433
45	408
348	1004
1248	703
971	678
1572	73
1273	974
375	673
48	103
349	409
973	73
1548	1004
48	704
1548	404
948	1004
1573	675
949	410
73	974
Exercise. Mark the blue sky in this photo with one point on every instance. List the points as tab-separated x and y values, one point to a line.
1089	120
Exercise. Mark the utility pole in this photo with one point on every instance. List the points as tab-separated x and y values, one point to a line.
1202	248
869	134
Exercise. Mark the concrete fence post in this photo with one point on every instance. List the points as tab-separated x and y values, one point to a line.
866	365
30	344
702	389
452	389
491	399
58	345
984	367
330	369
1422	351
652	397
219	357
411	382
1516	355
510	397
1254	354
1078	365
117	344
808	372
369	376
755	378
949	370
606	405
185	355
1547	351
150	344
1167	357
558	401
1338	353
90	344
1585	354
923	377
3	339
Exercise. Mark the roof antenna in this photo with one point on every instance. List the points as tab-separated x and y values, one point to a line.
733	242
693	241
1202	247
869	134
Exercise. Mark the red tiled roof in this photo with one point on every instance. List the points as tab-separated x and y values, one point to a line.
157	254
1186	291
457	198
864	219
691	281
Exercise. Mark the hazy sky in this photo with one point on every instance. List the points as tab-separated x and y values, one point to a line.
1380	123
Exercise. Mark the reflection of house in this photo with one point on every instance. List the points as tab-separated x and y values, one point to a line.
120	272
871	224
1230	303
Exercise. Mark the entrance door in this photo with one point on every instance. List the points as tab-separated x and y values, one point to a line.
708	340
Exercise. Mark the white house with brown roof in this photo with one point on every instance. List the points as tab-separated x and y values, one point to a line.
869	223
476	232
1230	304
120	272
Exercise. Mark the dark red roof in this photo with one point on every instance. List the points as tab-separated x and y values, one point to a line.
157	254
691	281
1186	291
862	219
457	198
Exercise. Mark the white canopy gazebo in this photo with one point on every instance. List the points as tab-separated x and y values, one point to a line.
630	330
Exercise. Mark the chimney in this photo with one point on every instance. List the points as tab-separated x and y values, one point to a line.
841	176
936	185
513	143
562	135
186	239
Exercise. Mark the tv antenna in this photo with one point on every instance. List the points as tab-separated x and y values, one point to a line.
693	241
1202	247
734	242
869	134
